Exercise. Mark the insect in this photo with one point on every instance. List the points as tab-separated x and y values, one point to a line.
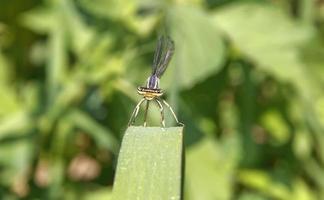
152	92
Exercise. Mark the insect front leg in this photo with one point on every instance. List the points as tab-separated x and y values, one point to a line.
161	111
146	111
135	113
173	113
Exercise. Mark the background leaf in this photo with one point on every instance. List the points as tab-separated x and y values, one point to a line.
267	36
200	49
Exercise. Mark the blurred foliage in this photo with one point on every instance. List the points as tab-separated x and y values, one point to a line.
247	79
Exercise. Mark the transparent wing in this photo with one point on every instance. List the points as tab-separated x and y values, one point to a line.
157	54
163	54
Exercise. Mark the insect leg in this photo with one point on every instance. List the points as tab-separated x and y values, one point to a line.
162	112
146	110
174	115
135	112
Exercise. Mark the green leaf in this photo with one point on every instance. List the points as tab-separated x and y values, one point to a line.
199	47
209	171
276	126
302	143
15	159
16	124
114	9
102	136
100	194
57	62
302	191
126	12
8	98
80	33
319	109
268	37
61	16
4	67
251	196
40	20
150	164
262	181
315	172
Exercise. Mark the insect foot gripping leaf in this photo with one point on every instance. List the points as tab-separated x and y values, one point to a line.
150	164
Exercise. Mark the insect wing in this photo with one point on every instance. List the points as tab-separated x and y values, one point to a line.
162	56
166	57
157	55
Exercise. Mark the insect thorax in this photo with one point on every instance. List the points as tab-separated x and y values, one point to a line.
149	93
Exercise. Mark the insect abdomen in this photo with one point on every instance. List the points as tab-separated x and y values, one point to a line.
153	82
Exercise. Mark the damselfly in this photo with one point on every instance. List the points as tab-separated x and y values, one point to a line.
152	92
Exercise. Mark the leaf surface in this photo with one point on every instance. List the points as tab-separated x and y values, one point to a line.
149	164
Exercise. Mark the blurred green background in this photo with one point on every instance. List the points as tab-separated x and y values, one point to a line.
246	79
